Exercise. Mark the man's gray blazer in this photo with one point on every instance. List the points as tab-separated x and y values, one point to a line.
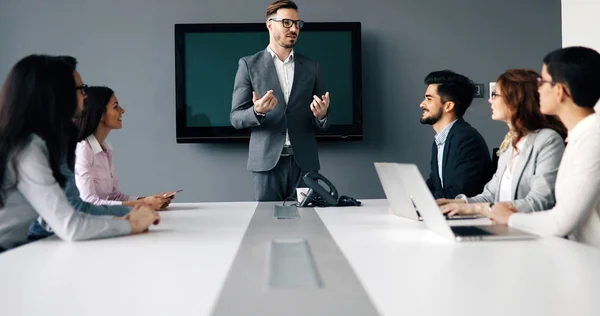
267	137
533	175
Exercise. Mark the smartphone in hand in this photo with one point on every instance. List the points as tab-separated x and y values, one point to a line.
172	194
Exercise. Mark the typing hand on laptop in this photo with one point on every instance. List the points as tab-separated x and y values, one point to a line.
458	209
452	209
441	202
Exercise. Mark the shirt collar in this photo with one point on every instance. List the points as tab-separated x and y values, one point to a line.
522	144
274	56
96	147
440	138
583	125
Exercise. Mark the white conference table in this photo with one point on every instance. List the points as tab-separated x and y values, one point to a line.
179	268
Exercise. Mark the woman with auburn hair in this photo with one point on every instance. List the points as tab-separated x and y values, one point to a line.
529	156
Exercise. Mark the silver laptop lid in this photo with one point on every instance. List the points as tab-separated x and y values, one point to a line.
434	219
412	179
396	194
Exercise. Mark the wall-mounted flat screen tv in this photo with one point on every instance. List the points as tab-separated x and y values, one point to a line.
206	61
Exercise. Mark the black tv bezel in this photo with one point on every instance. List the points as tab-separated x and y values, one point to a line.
227	134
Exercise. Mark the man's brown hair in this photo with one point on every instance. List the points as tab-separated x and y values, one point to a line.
280	4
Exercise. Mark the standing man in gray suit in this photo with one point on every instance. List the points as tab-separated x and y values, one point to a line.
279	95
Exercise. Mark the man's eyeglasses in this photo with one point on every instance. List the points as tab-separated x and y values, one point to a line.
83	89
494	95
287	23
541	81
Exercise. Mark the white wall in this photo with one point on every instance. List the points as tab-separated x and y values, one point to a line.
581	25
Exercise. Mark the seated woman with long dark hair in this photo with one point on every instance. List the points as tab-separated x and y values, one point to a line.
38	101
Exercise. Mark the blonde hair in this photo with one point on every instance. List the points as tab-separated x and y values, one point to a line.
505	143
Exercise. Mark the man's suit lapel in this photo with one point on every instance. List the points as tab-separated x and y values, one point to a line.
272	78
522	160
447	146
299	76
448	143
434	166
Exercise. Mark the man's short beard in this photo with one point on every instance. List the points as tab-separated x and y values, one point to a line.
281	39
431	119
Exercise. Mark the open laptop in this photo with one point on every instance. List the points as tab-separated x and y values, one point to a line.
411	179
399	198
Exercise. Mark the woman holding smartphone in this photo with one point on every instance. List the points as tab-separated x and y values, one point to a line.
95	174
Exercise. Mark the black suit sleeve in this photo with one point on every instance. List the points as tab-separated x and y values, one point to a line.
433	164
467	169
430	184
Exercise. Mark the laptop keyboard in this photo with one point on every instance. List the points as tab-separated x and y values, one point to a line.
469	231
471	216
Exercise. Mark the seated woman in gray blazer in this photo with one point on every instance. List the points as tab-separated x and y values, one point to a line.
529	156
